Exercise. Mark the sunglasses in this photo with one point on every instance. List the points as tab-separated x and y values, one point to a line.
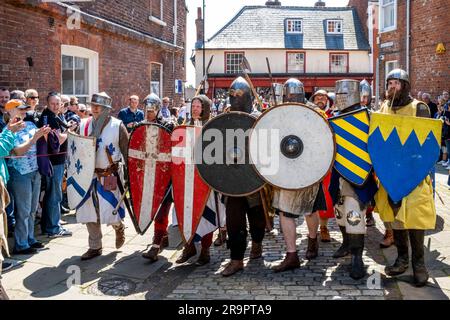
33	98
84	111
74	104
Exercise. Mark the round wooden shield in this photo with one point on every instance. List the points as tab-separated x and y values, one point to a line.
222	157
292	146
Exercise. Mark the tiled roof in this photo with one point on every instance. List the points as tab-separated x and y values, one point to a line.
262	27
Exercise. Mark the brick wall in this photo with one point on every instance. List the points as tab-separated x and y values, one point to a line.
361	10
430	25
124	58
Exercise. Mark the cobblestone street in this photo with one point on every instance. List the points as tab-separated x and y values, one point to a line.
126	275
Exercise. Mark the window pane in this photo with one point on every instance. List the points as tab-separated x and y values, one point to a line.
155	84
67	75
296	62
233	63
81	76
294	26
339	63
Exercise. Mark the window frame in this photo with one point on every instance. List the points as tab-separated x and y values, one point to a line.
293	20
225	60
93	72
383	7
161	79
334	21
339	53
387	63
287	61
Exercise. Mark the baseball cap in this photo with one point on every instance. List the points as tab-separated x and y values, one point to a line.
15	103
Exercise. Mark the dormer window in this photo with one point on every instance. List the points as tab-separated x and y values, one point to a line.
334	26
294	26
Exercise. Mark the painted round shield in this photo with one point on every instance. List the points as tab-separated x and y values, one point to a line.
292	146
222	157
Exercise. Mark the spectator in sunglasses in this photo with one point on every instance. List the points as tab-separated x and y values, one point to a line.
72	113
32	101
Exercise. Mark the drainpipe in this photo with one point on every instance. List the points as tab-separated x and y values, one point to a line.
408	26
175	24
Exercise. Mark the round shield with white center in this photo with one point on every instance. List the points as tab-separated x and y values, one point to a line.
292	146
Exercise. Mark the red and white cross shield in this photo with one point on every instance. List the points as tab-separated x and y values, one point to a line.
190	192
149	156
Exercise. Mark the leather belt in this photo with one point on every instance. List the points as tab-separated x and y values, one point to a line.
108	171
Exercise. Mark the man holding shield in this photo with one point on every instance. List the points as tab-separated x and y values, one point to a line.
103	197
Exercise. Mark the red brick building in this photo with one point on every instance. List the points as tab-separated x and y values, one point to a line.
121	47
426	54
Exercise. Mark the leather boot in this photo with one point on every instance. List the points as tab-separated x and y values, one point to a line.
91	253
120	237
204	257
256	250
165	241
388	239
233	267
416	239
313	248
356	244
3	295
221	238
402	262
324	234
290	262
343	249
188	252
151	254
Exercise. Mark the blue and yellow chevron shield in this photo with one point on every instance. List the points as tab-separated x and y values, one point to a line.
352	157
403	150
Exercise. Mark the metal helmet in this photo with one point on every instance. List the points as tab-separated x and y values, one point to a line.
241	96
102	99
365	89
320	91
332	98
293	91
347	94
398	74
152	101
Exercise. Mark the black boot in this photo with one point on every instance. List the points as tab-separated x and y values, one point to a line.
343	249
356	244
402	262
416	238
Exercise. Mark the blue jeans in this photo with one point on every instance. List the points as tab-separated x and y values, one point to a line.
10	208
51	212
26	188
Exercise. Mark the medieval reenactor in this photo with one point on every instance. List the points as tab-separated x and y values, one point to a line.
321	100
290	204
238	208
152	107
415	212
351	197
365	91
200	113
104	195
